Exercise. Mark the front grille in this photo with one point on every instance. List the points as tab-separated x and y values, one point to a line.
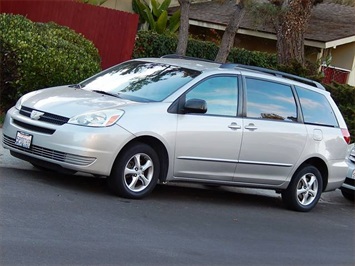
34	128
46	117
50	154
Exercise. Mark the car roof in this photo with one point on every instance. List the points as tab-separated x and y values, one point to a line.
195	64
203	65
275	73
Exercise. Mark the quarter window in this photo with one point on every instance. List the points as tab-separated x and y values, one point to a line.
270	100
220	94
316	108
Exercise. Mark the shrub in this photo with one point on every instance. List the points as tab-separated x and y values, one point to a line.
310	70
39	55
344	97
253	58
151	44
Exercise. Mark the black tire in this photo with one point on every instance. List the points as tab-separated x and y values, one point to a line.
135	172
305	189
348	194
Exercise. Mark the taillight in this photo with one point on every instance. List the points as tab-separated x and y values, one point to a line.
346	135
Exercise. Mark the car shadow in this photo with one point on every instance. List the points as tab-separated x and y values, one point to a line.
178	192
217	195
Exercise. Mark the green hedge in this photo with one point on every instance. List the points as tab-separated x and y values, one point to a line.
39	55
151	44
344	97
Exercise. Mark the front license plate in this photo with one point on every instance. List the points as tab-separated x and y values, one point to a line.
23	140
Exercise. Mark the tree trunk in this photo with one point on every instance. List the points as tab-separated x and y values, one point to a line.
229	34
292	25
184	27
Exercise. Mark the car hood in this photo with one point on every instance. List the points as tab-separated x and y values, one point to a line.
67	101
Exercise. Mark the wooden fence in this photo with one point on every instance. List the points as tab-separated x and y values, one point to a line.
113	32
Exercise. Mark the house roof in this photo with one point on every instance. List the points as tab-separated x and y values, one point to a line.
330	24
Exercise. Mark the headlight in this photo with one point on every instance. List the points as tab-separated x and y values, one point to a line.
103	118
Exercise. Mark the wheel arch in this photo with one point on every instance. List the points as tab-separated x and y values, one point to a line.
160	149
320	165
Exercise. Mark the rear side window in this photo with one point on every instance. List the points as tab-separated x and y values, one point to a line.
316	108
270	100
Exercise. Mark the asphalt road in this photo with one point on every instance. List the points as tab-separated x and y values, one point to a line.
56	219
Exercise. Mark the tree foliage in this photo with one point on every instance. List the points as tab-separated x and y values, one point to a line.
154	16
290	19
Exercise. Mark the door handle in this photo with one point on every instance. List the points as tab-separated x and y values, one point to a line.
251	127
234	126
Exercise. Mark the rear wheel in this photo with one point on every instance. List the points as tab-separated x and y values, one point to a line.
305	189
135	172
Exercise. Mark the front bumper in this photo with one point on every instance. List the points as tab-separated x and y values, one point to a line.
349	183
78	148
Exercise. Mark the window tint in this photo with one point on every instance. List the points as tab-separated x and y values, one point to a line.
220	93
269	100
316	108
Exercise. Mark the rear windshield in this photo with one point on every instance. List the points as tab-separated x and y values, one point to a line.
140	81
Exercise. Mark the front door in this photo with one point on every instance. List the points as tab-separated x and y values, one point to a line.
207	145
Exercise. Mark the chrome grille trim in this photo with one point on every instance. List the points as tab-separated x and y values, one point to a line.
46	117
51	154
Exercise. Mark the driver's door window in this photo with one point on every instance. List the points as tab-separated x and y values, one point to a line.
220	94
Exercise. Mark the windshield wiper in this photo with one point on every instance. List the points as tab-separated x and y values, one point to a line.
106	93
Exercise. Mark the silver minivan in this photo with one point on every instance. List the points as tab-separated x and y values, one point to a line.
175	119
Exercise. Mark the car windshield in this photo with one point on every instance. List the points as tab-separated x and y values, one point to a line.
140	81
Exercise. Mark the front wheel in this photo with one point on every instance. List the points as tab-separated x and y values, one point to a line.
305	189
135	172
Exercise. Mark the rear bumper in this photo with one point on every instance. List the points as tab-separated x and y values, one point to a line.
337	174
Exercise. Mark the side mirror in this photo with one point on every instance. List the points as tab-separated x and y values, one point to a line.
195	106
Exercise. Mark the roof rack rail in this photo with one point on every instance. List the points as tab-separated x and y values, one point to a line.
176	56
276	73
